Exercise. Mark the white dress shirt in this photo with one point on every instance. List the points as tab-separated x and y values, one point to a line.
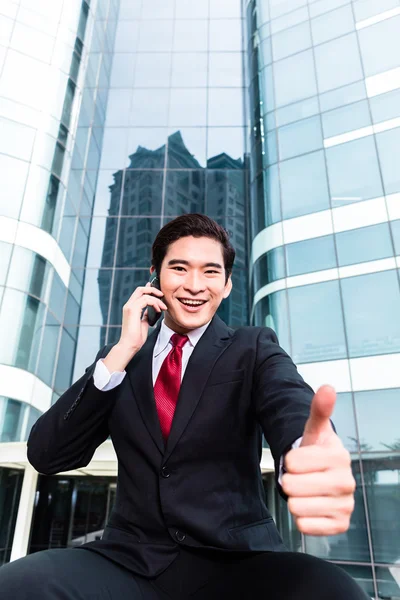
105	381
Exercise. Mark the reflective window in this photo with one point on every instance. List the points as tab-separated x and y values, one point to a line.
371	305
225	106
5	255
28	272
12	412
300	137
343	419
347	118
303	65
127	36
135	238
226	35
118	108
57	296
381	476
370	8
16	139
344	50
227	140
225	192
395	227
90	341
388	145
163	9
267	88
304	185
149	107
155	36
146	147
114	153
125	283
269	267
48	350
188	107
270	196
186	9
310	255
388	581
348	94
291	18
96	297
297	111
190	36
65	360
234	309
13	179
102	241
291	40
81	242
377	434
385	106
316	322
187	147
185	192
350	180
152	69
378	56
323	6
366	243
122	73
332	25
189	69
225	69
273	311
129	9
228	9
142	193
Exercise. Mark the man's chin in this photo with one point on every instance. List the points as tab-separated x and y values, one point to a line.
186	322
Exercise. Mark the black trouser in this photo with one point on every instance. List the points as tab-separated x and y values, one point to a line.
80	574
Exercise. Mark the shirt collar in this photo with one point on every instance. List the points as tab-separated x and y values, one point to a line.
166	332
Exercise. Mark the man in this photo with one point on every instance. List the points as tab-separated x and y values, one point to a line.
186	408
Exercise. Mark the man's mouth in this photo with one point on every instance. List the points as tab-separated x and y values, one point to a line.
189	302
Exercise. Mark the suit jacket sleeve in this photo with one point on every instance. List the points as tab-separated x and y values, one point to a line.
67	435
281	396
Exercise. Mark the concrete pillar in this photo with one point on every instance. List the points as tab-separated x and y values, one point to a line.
24	516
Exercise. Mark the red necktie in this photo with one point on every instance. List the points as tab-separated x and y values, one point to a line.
168	382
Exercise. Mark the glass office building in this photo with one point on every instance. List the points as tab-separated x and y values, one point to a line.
281	120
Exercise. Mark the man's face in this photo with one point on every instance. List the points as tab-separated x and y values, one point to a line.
193	282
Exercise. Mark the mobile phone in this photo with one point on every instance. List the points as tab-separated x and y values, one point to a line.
152	314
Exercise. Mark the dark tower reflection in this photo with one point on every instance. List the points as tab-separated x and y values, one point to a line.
138	191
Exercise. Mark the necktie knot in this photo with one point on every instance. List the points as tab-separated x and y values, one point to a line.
178	341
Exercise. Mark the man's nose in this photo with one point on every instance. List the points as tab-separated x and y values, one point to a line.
194	283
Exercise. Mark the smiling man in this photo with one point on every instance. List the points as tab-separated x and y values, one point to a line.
186	408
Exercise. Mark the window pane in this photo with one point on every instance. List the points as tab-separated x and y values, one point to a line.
163	9
146	147
135	239
272	311
142	193
189	69
13	179
332	25
372	305
388	146
118	108
348	94
323	6
395	226
29	272
291	18
370	8
155	36
185	192
226	35
303	65
381	475
327	56
187	148
380	46
304	185
347	118
225	69
114	153
228	140
125	283
12	420
310	255
149	107
48	350
152	69
291	40
378	434
188	107
225	9
90	340
385	106
225	106
388	581
101	243
343	419
96	297
5	255
316	323
226	192
16	139
367	243
299	138
353	171
64	367
186	9
127	36
269	267
190	36
122	71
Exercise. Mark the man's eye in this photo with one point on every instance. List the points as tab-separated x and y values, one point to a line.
212	272
178	268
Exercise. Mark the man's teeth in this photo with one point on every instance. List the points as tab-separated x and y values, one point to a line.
193	302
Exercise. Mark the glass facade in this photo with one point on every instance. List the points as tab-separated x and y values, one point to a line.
324	207
278	119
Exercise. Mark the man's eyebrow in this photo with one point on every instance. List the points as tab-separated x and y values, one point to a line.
179	261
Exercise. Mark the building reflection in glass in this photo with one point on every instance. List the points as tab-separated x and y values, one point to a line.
145	191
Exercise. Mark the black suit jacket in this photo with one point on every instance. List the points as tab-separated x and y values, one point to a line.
204	488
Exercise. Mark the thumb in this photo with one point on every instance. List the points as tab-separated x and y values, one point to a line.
318	429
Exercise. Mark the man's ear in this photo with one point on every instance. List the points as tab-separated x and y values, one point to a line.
228	287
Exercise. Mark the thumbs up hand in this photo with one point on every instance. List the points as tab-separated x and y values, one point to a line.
318	481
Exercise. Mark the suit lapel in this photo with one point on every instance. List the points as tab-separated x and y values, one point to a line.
211	345
140	371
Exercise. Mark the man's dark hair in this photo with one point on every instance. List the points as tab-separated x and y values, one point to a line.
195	225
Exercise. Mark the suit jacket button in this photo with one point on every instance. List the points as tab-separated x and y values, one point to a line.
180	536
165	473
